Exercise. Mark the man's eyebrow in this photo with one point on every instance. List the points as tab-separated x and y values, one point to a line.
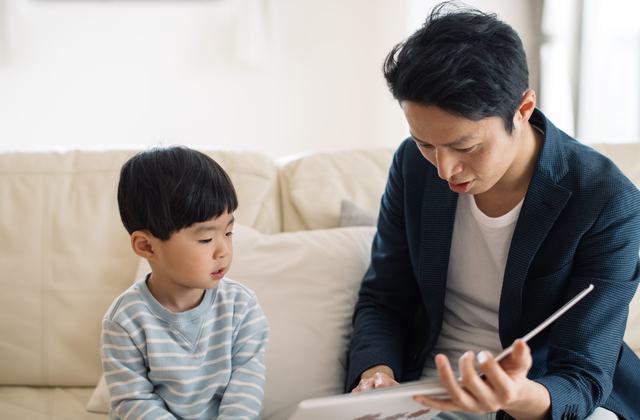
453	143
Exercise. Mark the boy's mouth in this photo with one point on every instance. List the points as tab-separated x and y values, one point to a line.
218	274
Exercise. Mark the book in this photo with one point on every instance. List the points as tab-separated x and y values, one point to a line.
396	402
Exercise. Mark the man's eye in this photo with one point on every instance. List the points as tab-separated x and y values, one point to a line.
205	241
467	150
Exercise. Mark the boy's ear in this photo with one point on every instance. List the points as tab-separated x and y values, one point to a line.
143	244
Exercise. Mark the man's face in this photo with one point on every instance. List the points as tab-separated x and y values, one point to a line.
472	156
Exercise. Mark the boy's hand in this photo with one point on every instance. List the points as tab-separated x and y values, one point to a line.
377	377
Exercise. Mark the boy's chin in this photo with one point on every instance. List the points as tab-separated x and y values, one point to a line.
212	283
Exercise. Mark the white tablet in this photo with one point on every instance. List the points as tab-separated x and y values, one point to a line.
396	402
392	403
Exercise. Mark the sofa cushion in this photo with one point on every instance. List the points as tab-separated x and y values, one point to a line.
353	215
307	284
314	185
46	403
64	255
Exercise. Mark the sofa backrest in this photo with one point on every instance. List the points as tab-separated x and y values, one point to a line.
64	255
314	185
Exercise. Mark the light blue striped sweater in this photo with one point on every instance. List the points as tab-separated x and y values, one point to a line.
204	363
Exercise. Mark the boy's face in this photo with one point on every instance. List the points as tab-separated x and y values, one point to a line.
196	257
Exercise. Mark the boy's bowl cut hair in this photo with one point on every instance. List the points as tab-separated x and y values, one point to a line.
463	61
164	190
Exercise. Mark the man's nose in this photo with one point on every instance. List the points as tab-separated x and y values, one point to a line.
447	164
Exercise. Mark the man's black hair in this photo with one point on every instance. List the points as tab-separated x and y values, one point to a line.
463	61
164	190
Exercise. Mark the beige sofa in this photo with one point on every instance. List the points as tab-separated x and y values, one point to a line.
64	256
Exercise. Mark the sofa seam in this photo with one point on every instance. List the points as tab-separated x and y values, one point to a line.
52	404
45	257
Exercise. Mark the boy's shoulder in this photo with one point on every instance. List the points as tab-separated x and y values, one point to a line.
130	301
231	289
236	298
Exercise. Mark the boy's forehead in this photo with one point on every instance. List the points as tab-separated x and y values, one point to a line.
214	223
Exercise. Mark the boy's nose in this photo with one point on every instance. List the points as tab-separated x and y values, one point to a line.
221	251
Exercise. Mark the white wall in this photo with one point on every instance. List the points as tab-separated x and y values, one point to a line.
90	73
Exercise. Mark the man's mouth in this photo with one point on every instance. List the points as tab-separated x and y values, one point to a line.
461	187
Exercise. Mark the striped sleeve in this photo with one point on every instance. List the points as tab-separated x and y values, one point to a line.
131	392
245	392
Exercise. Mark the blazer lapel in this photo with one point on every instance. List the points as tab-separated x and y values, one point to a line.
542	205
438	215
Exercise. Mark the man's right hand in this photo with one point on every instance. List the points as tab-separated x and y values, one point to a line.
377	377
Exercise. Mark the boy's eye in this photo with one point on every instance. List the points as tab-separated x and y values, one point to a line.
229	234
205	241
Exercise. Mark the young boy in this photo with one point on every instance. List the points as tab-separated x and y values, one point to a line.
184	342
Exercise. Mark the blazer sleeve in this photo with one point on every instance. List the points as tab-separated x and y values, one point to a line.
584	345
389	294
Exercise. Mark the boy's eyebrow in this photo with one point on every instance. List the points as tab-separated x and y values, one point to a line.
453	143
207	228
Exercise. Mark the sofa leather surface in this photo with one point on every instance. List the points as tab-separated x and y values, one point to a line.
64	255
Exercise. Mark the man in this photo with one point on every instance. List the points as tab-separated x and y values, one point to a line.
492	219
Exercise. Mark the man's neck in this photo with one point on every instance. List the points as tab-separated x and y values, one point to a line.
505	195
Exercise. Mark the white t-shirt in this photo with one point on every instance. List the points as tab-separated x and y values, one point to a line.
479	250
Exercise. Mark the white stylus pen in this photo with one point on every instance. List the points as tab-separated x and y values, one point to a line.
504	353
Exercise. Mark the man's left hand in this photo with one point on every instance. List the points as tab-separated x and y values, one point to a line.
505	386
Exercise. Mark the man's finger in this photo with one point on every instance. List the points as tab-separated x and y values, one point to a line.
457	394
479	392
519	359
380	380
363	385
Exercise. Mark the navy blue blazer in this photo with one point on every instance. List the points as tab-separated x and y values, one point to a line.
579	224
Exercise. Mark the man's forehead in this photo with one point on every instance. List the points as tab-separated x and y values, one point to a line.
455	142
449	130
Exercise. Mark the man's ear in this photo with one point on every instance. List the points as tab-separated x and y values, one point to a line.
143	244
527	106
